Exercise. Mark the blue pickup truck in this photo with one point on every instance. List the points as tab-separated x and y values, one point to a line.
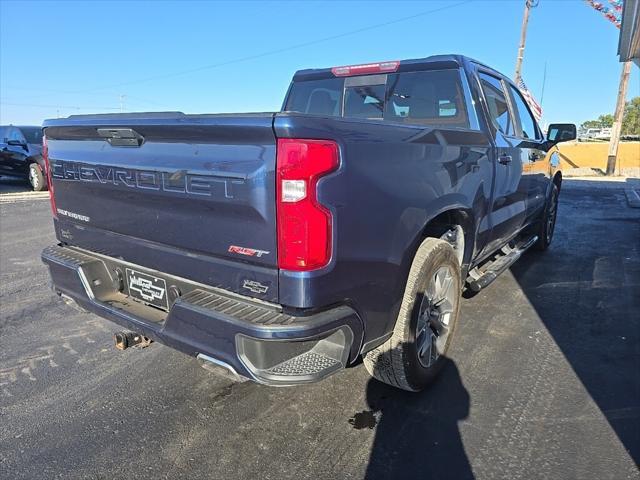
285	246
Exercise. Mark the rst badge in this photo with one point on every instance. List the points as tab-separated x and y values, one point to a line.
249	252
151	290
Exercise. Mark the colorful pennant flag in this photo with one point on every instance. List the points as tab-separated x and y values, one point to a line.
613	13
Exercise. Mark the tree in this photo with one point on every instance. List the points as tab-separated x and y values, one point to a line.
631	119
603	121
590	124
606	120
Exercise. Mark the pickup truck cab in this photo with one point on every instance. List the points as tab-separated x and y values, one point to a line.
284	246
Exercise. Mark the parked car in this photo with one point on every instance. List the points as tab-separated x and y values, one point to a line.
284	246
21	154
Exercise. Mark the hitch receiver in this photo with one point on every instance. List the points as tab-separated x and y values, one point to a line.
124	340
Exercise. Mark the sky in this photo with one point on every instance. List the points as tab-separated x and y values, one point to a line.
61	58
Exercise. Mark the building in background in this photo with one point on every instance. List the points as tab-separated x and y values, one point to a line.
629	43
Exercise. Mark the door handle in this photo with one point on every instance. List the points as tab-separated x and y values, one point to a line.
504	159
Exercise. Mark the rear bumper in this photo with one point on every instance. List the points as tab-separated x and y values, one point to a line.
253	339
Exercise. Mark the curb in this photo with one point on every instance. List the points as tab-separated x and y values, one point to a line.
22	197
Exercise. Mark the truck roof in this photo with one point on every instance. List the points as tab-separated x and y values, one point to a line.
431	62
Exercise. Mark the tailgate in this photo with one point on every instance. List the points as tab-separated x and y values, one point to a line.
193	196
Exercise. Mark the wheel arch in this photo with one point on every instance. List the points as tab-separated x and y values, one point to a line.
435	226
432	223
438	226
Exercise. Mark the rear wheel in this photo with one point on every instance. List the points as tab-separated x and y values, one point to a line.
36	178
413	356
548	221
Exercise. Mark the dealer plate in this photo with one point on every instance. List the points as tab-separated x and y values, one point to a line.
147	288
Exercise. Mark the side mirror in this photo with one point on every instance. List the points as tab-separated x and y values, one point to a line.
17	143
561	132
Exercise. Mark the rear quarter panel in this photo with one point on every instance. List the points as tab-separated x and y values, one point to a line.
393	179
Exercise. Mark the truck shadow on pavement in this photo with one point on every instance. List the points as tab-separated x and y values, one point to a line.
594	329
586	291
417	434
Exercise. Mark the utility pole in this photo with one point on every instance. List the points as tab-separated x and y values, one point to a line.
122	97
528	5
616	129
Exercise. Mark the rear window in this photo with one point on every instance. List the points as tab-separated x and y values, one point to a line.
364	101
426	98
317	97
430	98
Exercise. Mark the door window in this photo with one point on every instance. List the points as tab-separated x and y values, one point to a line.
497	104
527	123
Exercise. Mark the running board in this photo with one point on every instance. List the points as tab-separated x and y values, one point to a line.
479	279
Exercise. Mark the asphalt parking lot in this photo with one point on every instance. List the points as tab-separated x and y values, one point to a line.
543	381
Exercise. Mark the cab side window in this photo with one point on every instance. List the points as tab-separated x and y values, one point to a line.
527	123
497	103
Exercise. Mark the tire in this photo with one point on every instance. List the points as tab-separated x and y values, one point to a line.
36	178
548	221
398	362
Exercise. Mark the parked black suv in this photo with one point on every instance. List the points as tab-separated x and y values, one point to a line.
21	154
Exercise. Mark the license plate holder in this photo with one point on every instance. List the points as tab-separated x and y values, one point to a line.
147	288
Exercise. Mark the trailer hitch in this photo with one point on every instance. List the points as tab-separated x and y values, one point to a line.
124	340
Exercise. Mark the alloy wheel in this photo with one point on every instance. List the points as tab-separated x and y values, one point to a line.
434	316
33	178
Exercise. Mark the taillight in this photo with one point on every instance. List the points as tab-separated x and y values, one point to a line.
47	167
304	225
381	67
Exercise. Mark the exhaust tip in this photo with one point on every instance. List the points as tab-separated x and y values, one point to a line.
220	368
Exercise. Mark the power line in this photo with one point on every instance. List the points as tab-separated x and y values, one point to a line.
68	92
228	62
279	50
73	107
